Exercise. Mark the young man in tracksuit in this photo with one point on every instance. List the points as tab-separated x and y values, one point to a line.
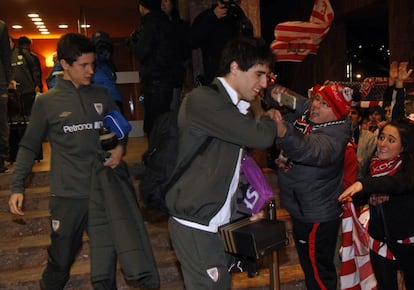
69	116
202	199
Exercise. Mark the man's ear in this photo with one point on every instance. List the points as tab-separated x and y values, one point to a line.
64	64
234	67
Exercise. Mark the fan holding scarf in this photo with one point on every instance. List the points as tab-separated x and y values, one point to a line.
313	139
389	192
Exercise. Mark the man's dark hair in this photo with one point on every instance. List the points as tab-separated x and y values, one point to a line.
72	45
359	110
151	4
24	40
246	52
377	109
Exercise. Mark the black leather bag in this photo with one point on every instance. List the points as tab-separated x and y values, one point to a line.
253	239
13	103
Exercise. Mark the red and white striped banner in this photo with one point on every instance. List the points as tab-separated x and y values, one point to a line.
294	40
356	269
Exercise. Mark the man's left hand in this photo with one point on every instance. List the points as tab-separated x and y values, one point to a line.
115	157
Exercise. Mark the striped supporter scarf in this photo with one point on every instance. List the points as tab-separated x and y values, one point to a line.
379	168
303	125
382	168
356	269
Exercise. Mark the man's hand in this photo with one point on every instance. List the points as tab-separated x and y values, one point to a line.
275	93
16	203
13	85
403	74
258	216
220	11
393	73
276	116
115	157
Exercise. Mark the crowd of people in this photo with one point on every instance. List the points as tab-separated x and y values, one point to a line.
312	141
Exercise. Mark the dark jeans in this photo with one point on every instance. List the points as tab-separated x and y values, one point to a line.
316	244
4	130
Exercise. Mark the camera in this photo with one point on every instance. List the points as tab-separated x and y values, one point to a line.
233	9
229	4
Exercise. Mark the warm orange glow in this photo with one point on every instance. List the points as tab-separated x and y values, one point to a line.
44	48
49	61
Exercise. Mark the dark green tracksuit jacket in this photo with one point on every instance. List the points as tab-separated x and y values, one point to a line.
118	229
202	190
70	120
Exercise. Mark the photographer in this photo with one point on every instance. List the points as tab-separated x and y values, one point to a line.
213	28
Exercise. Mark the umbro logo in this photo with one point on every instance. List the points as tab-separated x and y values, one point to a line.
65	114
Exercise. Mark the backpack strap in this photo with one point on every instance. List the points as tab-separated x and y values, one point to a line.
180	171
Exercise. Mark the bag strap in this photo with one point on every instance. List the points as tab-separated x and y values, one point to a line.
180	171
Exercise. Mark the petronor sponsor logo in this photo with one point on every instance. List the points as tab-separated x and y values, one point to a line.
78	127
81	127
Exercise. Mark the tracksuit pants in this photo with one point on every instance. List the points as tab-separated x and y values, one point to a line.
316	246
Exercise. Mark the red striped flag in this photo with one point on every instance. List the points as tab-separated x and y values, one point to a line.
294	40
356	269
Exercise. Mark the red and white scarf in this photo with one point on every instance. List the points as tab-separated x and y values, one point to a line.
382	168
356	269
303	125
378	168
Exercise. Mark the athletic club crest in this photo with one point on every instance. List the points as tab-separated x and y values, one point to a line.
98	108
213	273
55	225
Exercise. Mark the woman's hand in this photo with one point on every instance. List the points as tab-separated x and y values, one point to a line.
350	191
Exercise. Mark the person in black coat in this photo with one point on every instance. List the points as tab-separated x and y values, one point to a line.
154	47
213	28
6	82
181	30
